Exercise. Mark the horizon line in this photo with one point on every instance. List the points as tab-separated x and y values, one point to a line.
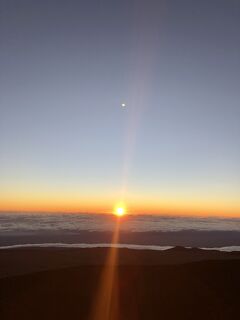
175	215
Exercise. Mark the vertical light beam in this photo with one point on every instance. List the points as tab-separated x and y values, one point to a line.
105	306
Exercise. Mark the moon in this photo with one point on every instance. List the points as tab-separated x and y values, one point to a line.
123	105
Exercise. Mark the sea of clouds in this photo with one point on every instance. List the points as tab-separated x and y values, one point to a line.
22	222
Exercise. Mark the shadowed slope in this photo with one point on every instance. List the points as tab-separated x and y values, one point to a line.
200	290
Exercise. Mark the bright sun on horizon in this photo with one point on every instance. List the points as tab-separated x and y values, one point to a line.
120	211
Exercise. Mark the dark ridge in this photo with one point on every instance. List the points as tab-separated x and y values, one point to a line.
27	260
197	290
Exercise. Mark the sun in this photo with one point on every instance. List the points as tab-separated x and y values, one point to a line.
120	211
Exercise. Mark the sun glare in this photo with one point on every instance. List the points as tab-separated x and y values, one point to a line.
119	211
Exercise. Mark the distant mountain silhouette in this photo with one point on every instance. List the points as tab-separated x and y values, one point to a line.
28	260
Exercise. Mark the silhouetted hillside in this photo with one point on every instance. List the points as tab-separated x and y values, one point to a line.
196	290
29	260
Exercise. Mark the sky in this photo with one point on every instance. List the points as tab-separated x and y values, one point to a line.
67	145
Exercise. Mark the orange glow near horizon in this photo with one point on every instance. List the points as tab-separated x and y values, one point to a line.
137	204
134	210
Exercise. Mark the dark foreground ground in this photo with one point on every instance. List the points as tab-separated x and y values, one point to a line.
175	284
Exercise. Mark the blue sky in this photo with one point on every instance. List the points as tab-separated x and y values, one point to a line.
68	65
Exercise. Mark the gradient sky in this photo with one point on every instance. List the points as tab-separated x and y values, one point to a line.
65	142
